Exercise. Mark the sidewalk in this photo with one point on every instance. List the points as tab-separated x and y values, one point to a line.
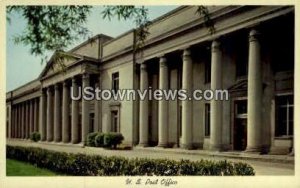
227	154
201	153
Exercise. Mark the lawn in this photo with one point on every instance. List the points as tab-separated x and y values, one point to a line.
17	168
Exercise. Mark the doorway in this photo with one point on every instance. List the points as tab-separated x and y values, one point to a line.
240	134
240	126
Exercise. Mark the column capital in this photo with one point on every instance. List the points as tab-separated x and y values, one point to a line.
56	86
163	61
143	66
65	83
85	76
49	89
73	79
215	45
254	35
186	52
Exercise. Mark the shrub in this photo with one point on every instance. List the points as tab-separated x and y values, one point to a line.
95	165
91	139
99	140
112	139
35	136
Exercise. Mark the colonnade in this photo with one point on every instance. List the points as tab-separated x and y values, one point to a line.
24	119
254	99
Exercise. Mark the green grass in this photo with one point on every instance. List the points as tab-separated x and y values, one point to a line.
18	168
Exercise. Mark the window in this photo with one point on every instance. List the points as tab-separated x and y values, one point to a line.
207	119
284	116
115	121
240	107
207	71
115	81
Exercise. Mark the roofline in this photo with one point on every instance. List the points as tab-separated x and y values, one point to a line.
151	22
89	40
28	83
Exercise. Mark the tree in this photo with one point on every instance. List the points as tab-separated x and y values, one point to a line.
53	28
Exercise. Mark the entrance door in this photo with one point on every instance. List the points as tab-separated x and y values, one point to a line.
240	125
240	134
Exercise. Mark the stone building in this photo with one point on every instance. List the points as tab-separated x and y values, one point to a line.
251	54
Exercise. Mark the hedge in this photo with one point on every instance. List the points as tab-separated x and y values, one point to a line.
35	136
95	165
91	139
111	140
107	140
99	140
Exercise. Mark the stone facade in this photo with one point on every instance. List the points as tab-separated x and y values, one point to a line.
251	54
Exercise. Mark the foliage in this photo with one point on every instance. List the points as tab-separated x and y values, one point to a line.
95	165
91	139
107	140
112	139
51	27
35	136
99	140
208	22
138	14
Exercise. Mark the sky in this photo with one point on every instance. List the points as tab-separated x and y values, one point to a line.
22	67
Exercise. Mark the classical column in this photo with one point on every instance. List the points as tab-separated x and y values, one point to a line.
31	112
16	122
49	115
42	114
10	120
19	121
65	113
35	115
57	114
23	120
25	116
216	105
85	109
75	118
144	108
13	122
187	105
254	125
163	104
97	111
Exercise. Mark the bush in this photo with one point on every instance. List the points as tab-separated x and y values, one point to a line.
91	139
99	140
35	136
112	139
95	165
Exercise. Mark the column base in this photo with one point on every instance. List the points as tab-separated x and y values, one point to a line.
162	145
81	144
186	146
257	149
66	141
74	142
142	145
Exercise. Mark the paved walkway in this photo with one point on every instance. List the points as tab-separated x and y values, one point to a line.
262	164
